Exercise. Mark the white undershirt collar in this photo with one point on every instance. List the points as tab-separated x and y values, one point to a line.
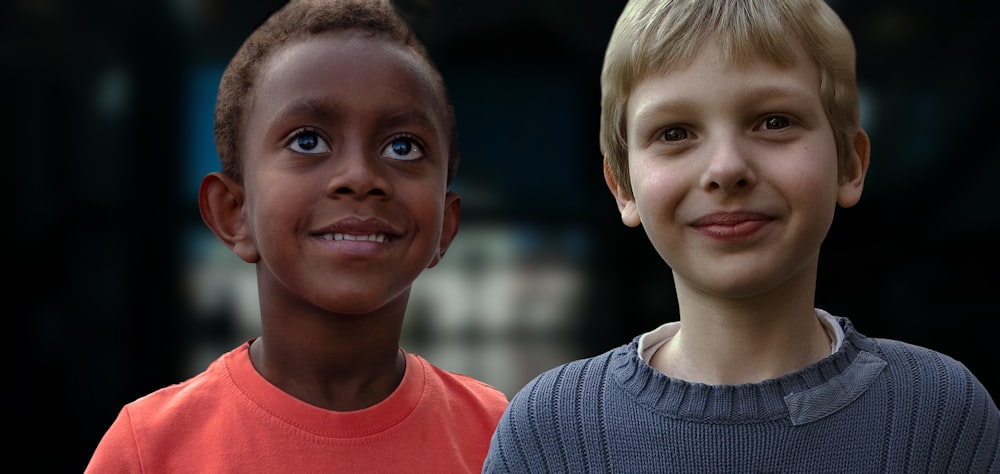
651	341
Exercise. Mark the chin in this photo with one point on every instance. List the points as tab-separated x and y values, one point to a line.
361	302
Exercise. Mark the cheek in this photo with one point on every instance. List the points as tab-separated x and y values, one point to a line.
423	203
657	186
272	209
257	221
815	179
431	214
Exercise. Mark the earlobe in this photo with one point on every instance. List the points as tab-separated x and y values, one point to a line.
853	181
220	201
624	199
449	226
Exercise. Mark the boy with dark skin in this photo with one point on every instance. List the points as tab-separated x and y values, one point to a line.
337	142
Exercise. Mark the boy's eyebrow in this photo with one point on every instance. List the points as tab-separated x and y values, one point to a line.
751	92
794	93
411	115
669	105
306	107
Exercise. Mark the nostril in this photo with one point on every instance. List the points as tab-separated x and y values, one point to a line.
351	191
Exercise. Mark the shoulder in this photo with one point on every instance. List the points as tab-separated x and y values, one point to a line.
913	367
933	380
210	387
470	392
572	384
920	364
558	405
936	401
199	397
159	417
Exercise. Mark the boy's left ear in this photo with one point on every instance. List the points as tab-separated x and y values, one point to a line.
449	227
853	180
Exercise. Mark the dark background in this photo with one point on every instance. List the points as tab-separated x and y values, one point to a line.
96	144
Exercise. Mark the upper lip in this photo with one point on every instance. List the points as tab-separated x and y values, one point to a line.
360	226
729	218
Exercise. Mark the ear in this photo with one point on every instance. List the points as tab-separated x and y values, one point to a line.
853	181
624	199
449	227
220	200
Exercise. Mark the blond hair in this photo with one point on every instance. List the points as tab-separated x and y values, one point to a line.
657	35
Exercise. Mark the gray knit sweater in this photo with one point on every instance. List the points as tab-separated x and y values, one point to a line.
875	405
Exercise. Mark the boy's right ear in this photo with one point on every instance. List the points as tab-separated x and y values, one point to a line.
220	200
626	203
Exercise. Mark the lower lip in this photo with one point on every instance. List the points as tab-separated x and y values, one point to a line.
732	232
356	248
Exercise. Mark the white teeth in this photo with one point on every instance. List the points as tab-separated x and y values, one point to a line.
338	236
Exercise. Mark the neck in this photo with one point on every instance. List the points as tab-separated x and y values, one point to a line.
743	340
337	362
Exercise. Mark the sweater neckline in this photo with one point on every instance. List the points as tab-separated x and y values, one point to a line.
809	394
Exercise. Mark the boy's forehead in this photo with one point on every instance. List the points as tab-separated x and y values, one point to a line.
726	53
712	75
350	55
715	57
350	44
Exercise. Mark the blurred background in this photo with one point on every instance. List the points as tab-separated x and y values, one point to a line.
117	288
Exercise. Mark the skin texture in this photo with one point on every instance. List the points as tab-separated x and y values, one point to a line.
735	181
345	135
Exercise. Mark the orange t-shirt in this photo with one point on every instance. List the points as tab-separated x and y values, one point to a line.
230	419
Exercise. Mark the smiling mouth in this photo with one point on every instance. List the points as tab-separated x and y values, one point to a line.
380	238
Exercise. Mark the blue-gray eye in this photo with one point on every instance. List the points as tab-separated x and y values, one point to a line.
403	148
308	142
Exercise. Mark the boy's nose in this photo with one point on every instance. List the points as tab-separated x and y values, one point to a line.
358	173
728	168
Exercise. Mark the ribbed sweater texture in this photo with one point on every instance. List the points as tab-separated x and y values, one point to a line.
875	405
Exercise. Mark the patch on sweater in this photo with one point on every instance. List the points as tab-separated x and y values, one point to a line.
836	393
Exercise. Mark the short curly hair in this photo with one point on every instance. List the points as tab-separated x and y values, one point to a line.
653	36
297	20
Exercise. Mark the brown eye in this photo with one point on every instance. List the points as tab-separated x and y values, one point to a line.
675	134
775	122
